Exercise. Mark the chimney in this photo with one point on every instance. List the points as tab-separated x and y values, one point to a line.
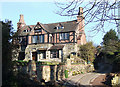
80	18
21	18
21	22
81	37
80	13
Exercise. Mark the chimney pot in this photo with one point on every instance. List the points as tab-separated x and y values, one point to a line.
80	11
21	18
21	22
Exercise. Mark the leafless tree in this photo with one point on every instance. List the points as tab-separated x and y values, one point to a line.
99	12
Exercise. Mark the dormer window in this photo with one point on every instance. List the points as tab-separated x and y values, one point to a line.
59	26
25	31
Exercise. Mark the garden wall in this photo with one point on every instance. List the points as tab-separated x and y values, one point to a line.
56	71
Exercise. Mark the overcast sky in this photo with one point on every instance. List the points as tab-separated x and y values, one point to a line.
42	11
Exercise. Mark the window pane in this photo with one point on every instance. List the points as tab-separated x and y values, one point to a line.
41	38
64	36
67	36
34	39
38	30
60	36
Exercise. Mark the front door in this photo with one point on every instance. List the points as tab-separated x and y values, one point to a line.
34	56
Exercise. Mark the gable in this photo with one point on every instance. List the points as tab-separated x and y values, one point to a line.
39	28
25	30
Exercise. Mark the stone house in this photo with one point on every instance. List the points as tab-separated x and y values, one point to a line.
50	42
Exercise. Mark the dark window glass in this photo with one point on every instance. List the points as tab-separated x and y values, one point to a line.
38	30
41	39
64	36
34	39
38	39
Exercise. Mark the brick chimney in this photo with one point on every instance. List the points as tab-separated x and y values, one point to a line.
81	37
80	18
21	22
80	14
80	11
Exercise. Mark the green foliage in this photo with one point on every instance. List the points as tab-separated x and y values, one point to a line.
87	52
111	44
7	64
47	63
21	63
110	36
110	50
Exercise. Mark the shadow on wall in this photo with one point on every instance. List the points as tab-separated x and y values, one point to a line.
49	72
52	72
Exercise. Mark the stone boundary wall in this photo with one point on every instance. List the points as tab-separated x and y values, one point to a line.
56	72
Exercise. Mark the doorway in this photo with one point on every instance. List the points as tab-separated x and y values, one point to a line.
34	56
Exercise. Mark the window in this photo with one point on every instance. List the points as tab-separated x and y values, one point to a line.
60	27
64	36
34	39
55	54
38	39
25	31
41	38
38	30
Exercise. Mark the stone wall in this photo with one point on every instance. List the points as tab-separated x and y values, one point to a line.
57	72
34	48
49	73
68	48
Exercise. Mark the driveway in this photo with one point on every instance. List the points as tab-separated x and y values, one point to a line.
82	80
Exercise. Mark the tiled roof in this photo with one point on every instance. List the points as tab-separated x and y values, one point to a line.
27	27
68	26
51	28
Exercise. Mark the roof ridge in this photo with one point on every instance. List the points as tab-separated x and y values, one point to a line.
61	22
54	23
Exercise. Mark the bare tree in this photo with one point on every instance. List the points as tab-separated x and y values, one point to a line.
99	12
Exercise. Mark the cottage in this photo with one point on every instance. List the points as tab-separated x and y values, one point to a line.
50	42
